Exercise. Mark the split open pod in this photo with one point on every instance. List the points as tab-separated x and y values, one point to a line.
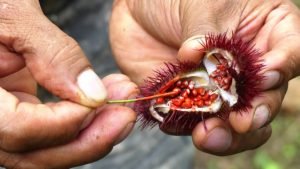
180	95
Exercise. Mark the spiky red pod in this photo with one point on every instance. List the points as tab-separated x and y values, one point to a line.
228	79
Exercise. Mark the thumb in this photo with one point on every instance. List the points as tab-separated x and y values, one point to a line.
200	17
55	60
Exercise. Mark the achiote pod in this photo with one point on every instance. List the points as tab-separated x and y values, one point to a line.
228	79
180	95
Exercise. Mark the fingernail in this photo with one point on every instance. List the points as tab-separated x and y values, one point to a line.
91	85
273	78
124	133
218	140
261	116
195	42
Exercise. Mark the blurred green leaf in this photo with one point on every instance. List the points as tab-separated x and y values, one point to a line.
297	2
272	165
289	151
262	160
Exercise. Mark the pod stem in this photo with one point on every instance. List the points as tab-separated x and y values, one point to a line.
142	98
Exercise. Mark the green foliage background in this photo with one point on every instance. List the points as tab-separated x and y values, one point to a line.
280	152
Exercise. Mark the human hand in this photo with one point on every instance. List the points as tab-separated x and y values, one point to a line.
145	34
53	135
60	135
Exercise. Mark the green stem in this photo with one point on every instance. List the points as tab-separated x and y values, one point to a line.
142	98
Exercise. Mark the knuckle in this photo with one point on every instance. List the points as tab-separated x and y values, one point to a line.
69	53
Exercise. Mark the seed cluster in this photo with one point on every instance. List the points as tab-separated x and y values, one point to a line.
221	76
187	96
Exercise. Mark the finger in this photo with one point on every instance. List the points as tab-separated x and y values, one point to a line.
284	59
27	125
117	94
191	49
114	79
26	97
284	55
55	60
10	63
265	108
120	87
21	81
218	139
151	53
196	24
112	125
248	141
214	135
31	126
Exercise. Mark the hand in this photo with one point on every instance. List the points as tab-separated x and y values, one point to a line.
64	134
53	135
145	34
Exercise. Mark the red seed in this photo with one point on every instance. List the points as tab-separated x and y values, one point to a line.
194	92
185	94
205	97
200	103
185	83
226	80
207	102
199	97
221	67
179	83
177	102
188	91
219	79
213	97
188	103
160	100
201	91
188	100
177	90
223	73
191	85
181	98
